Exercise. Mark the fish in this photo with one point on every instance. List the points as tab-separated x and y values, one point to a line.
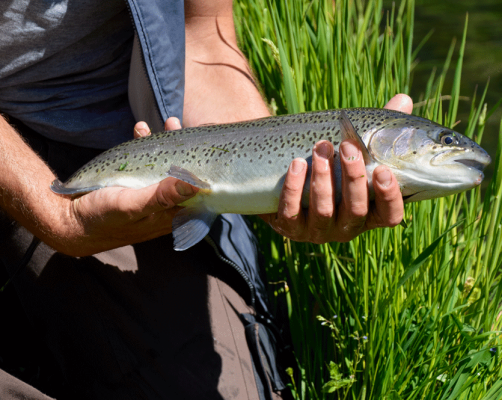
240	167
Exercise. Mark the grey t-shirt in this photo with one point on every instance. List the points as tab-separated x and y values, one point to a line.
64	68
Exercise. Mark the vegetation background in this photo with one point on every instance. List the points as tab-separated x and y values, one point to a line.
395	314
482	58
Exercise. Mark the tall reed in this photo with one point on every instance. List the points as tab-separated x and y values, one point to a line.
402	313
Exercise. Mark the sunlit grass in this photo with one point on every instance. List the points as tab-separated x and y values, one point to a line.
396	313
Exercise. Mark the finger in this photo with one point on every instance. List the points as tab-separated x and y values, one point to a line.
141	129
139	203
388	209
400	102
322	194
114	217
169	193
355	201
172	124
290	220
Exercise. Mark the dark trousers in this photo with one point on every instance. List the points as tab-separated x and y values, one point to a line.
139	322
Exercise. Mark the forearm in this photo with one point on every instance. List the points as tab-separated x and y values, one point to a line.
25	189
219	86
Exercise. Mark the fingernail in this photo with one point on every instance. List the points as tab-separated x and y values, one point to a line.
143	132
297	167
384	177
349	151
323	150
184	189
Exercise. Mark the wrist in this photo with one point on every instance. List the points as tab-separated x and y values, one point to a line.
65	233
25	193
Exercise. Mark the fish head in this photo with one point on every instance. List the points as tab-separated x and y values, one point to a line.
428	160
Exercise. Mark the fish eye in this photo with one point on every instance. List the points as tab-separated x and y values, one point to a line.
447	138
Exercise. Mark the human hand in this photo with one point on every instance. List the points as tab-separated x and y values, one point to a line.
114	217
324	222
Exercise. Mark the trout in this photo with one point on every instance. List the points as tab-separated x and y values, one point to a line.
240	167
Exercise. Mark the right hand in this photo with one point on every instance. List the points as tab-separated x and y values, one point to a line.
113	217
325	221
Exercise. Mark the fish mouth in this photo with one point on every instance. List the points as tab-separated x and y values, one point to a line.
475	164
474	160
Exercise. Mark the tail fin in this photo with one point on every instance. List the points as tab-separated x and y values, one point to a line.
58	187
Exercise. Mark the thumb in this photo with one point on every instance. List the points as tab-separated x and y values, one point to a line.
400	102
172	124
167	194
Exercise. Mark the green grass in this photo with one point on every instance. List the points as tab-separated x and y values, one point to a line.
402	313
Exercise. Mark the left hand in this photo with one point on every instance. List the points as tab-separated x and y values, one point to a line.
141	128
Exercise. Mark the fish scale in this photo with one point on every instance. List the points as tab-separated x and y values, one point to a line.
240	167
230	144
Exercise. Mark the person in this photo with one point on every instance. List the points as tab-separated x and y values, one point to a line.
123	314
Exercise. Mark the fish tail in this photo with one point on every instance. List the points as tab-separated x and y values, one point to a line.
58	187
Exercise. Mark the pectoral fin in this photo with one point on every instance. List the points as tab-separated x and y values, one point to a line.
348	132
190	226
186	176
